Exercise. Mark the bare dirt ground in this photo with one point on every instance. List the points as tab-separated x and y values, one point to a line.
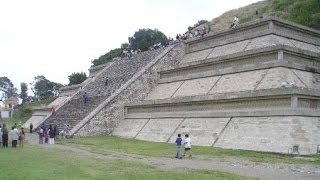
238	166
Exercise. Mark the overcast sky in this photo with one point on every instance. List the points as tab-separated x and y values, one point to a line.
58	37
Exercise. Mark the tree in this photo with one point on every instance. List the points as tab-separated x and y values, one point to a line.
107	57
125	46
144	38
24	92
44	89
77	78
197	24
7	87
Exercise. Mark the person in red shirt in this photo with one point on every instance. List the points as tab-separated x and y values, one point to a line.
53	111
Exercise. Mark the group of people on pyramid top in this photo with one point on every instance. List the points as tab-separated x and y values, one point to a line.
129	53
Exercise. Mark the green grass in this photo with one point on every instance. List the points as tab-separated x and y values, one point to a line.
35	163
133	146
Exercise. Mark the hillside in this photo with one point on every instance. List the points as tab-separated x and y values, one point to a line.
305	12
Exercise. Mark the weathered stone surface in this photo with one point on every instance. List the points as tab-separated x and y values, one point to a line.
228	49
280	78
58	101
305	46
281	40
129	127
35	120
274	134
196	56
238	82
196	87
202	131
163	91
159	130
311	80
261	42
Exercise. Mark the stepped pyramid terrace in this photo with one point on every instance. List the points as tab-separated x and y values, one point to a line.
255	88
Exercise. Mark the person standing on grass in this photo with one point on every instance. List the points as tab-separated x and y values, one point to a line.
40	133
187	146
51	134
22	137
5	136
14	136
0	135
178	143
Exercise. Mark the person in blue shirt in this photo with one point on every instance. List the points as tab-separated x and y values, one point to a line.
85	97
178	143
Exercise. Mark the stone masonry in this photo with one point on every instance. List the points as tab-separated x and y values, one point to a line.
255	88
117	72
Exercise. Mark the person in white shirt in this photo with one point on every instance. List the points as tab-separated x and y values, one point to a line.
235	22
187	146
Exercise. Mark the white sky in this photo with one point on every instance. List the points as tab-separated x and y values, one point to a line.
58	37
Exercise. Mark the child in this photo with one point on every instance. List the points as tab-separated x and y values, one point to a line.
178	143
187	146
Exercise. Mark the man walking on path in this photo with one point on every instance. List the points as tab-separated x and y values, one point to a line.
178	143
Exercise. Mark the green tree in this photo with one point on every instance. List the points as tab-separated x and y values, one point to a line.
44	89
107	57
77	78
144	38
197	24
7	87
125	46
24	92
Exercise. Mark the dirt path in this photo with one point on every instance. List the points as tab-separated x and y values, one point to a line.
232	165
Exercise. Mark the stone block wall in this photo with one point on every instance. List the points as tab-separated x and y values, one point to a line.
104	122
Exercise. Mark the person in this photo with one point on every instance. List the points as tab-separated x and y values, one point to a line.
85	97
46	136
65	130
0	135
56	131
187	146
178	144
31	127
40	133
106	81
14	136
235	22
53	111
51	133
22	137
5	136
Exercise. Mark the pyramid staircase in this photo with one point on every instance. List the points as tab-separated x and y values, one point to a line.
118	73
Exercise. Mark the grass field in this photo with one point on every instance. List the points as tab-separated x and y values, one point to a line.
133	146
35	163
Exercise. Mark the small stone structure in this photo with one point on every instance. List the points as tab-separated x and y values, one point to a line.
254	88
